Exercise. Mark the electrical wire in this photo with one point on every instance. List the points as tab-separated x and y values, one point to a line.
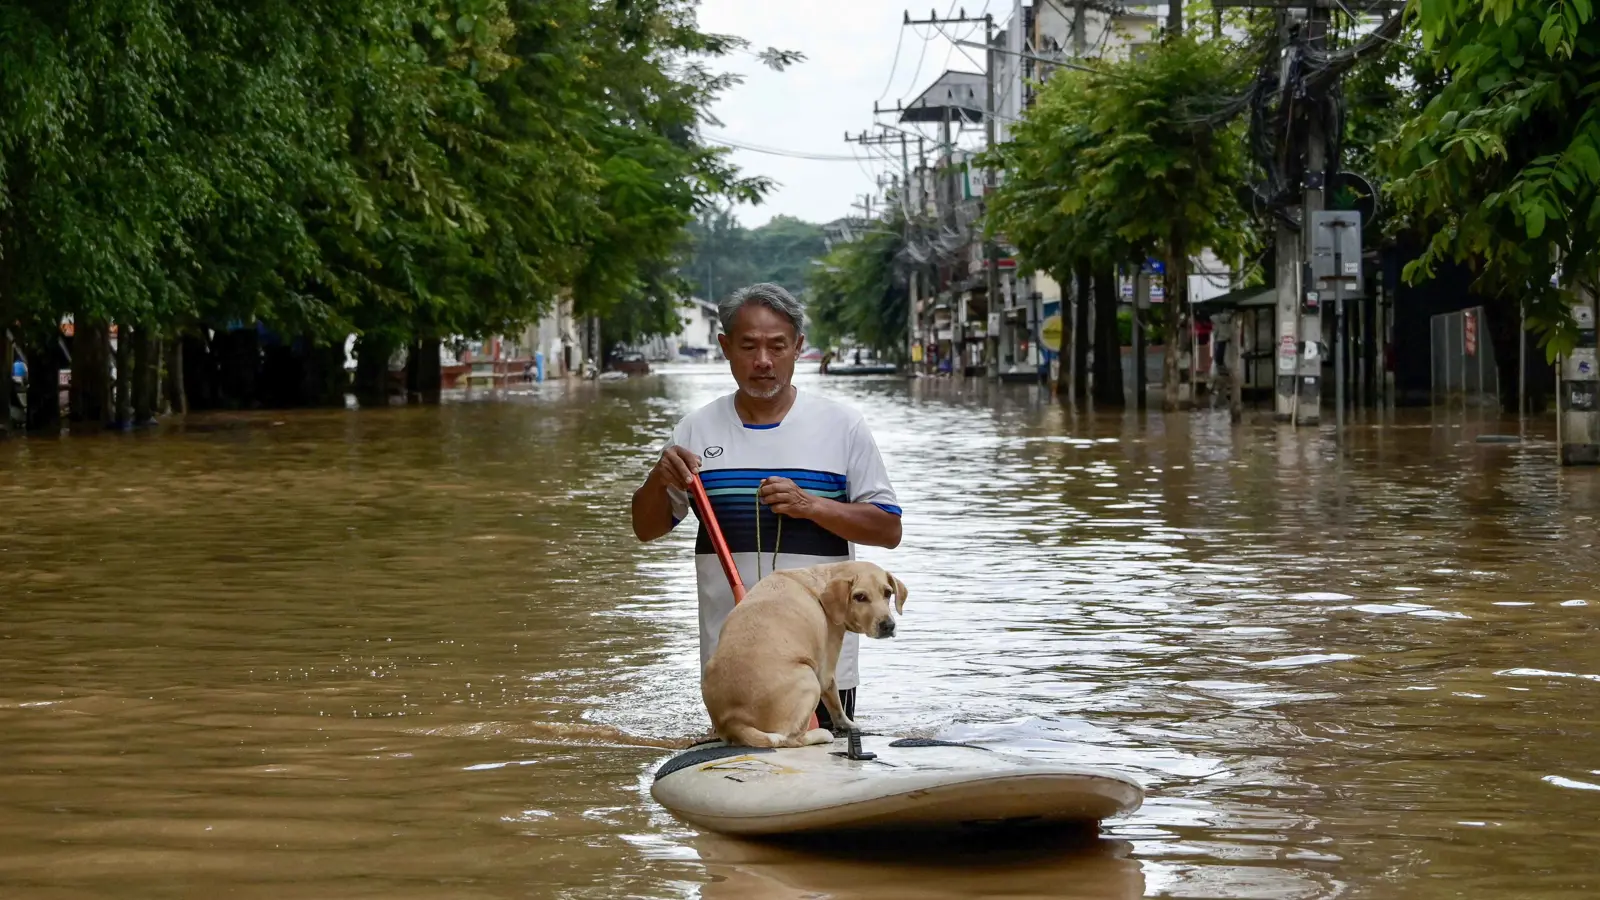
726	141
893	66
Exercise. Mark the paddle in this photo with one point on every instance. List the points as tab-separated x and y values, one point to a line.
720	544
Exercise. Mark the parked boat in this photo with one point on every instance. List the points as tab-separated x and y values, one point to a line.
858	362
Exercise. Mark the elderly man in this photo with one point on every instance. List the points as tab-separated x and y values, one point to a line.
794	479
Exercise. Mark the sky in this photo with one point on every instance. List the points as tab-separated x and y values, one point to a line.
850	62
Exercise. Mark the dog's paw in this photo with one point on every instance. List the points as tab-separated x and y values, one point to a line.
818	736
843	728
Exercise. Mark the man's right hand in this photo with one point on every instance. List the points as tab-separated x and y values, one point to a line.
676	467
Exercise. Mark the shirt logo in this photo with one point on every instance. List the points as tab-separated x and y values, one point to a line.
712	452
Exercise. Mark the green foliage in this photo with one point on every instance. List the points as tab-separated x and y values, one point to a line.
400	168
860	291
1380	96
1121	163
1115	165
727	256
1503	165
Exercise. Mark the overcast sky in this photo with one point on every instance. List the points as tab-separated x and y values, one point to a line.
850	58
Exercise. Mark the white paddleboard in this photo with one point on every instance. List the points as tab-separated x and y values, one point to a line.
914	783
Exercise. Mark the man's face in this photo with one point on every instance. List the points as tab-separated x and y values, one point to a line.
761	350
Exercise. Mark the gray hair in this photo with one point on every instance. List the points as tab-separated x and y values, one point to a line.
767	294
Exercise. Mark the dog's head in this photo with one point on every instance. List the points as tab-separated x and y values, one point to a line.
857	595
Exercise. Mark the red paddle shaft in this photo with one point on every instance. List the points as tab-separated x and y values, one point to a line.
720	544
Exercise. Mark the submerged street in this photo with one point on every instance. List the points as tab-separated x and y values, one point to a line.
399	653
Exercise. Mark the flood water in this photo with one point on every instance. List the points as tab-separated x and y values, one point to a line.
348	654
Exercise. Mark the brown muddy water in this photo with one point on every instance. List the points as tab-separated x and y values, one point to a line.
377	654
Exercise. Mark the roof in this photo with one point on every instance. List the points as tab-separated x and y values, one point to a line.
959	92
1259	295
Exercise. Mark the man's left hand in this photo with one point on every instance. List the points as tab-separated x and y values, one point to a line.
787	498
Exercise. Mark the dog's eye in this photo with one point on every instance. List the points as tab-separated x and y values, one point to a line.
861	597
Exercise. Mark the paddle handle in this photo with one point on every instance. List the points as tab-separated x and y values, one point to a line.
718	542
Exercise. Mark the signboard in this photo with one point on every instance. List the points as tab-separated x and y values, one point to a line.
1286	353
1580	396
1335	233
1050	332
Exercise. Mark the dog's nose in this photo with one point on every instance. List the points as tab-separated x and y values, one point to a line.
886	628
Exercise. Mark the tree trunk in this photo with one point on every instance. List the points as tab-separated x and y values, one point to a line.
1236	368
5	378
199	372
89	397
44	385
1063	348
1107	341
1504	324
424	375
124	414
372	370
1082	333
1175	294
177	396
235	368
146	366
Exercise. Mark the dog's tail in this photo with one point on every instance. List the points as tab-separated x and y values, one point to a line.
749	736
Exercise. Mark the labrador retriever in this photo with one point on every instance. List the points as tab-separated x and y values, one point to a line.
778	649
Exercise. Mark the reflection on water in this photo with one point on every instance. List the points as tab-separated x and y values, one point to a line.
417	653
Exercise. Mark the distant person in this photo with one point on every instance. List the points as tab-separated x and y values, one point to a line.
800	470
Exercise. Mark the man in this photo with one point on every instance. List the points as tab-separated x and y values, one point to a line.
794	479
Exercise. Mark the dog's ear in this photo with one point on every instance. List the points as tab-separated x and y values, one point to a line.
835	598
900	594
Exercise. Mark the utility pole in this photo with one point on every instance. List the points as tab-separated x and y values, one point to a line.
992	263
1308	388
991	252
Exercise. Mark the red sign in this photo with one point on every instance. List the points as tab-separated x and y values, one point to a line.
1469	330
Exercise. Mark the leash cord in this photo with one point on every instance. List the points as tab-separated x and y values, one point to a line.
776	541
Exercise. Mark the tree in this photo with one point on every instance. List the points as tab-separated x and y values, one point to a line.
860	291
726	256
1122	162
1502	166
250	183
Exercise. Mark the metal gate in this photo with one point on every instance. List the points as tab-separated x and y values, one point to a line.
1462	356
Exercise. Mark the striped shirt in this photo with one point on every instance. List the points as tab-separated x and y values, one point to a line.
822	446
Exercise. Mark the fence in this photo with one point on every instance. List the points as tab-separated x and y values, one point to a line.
1462	356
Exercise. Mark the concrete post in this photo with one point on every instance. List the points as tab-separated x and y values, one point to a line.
1579	419
1288	319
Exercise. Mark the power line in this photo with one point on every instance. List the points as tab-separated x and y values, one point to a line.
895	64
725	141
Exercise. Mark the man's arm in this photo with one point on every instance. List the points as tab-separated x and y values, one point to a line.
858	523
653	506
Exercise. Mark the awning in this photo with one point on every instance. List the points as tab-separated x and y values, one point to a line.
1242	298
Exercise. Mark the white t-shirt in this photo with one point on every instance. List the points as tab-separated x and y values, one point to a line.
821	445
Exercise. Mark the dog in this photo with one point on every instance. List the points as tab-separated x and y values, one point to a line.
778	648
